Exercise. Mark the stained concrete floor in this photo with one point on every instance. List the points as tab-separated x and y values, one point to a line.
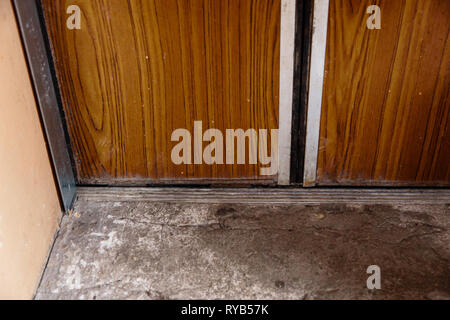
148	250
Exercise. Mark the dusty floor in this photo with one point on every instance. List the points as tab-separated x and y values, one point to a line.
148	250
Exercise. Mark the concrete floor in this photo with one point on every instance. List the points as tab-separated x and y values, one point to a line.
121	249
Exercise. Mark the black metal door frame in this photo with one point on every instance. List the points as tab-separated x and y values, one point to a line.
40	65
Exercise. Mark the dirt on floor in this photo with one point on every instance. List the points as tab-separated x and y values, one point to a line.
146	250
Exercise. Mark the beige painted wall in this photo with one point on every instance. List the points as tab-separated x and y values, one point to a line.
29	205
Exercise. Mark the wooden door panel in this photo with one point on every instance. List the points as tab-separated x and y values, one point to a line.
385	115
138	70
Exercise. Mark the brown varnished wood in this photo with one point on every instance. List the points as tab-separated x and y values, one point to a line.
386	95
138	70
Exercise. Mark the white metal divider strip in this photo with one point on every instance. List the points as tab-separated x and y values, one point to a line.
314	109
287	47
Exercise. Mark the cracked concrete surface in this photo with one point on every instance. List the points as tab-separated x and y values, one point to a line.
146	250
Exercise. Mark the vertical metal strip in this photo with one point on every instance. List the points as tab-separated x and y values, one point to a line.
318	51
287	47
44	87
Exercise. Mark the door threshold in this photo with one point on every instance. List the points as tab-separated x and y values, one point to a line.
267	195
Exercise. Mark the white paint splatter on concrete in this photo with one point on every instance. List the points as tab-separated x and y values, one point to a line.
73	280
96	234
110	243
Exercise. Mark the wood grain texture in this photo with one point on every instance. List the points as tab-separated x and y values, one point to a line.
138	70
386	95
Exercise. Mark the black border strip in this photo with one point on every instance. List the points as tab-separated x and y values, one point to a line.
303	35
